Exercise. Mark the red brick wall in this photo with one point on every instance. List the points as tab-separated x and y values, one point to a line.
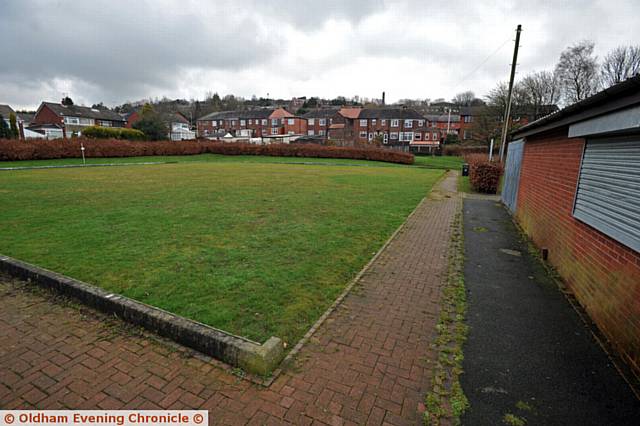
46	116
603	274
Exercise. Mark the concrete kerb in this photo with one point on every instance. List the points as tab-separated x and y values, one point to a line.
234	350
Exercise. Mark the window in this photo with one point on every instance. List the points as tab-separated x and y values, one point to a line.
363	123
393	135
264	121
321	132
435	136
363	134
468	118
408	124
373	122
467	134
291	121
243	123
383	122
311	121
71	120
331	121
420	123
370	136
426	136
274	122
417	136
264	132
323	121
274	131
214	123
87	121
395	123
104	123
385	138
310	132
605	197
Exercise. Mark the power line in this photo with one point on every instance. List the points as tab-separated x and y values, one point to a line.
484	61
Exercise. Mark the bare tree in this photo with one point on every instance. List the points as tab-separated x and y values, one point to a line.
497	97
542	89
464	98
621	63
578	72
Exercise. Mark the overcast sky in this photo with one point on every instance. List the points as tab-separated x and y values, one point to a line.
115	51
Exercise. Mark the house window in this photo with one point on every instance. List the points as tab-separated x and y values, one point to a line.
71	120
331	121
393	135
104	123
435	136
290	121
214	123
468	118
363	123
243	123
310	132
274	122
264	121
363	135
383	122
311	121
385	138
264	132
417	136
370	136
408	124
323	121
395	123
373	122
420	123
321	132
274	131
467	134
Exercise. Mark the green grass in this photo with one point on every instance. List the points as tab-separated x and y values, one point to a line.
255	249
464	185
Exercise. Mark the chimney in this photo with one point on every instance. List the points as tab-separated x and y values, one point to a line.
382	98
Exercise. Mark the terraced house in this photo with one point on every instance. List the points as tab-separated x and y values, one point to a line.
395	127
251	123
72	119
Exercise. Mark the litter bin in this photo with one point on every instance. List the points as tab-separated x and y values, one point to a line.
465	169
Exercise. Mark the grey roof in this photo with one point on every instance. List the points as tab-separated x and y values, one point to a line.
5	110
230	115
321	113
26	117
391	113
619	96
442	118
83	112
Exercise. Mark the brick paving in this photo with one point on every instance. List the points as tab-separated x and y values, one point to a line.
368	363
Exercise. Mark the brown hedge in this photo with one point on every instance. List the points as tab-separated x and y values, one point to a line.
462	150
484	175
11	150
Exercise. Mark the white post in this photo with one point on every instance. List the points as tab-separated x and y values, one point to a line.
82	150
491	150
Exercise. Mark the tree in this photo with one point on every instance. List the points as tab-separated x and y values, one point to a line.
67	101
5	132
464	98
621	63
487	125
498	96
541	88
151	124
578	72
13	125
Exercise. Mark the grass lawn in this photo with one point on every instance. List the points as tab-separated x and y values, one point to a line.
256	249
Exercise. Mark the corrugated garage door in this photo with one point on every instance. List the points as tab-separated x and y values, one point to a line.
512	174
608	195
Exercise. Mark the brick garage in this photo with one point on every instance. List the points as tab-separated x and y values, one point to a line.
600	267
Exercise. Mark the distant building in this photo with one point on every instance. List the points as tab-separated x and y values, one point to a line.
5	112
319	120
252	123
73	118
395	127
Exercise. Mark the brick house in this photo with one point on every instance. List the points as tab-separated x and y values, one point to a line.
576	193
342	130
74	118
319	120
252	123
395	127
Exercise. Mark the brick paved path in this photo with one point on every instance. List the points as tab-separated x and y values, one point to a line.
367	364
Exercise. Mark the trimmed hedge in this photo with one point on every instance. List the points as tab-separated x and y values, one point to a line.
99	132
12	150
484	175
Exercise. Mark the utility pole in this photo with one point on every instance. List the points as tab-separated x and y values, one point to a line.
507	112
